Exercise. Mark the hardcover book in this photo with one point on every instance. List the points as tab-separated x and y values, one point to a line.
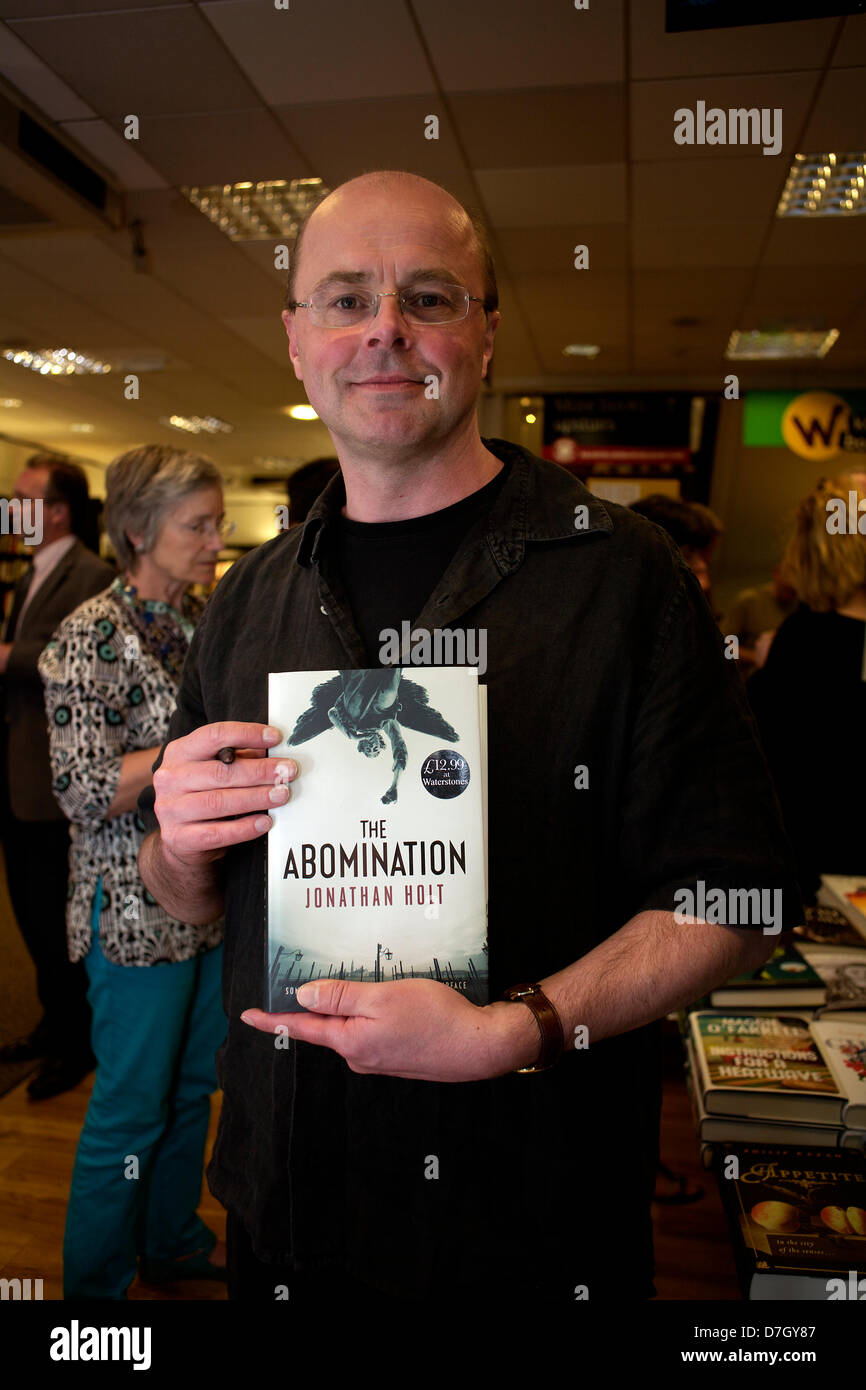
376	865
798	1217
780	1067
786	978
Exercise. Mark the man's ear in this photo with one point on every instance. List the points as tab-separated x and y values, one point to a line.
291	332
489	334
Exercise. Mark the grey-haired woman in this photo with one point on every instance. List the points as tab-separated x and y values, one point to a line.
111	673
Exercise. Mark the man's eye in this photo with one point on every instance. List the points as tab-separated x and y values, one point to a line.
427	299
348	302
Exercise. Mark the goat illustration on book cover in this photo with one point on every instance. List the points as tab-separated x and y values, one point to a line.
377	873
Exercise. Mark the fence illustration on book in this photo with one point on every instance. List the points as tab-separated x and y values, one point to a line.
471	982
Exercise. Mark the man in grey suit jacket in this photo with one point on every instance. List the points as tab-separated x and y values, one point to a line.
64	573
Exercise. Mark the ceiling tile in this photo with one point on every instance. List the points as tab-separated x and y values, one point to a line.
546	249
852	50
589	193
758	48
725	191
551	45
816	241
160	61
344	138
20	66
570	125
838	121
669	246
221	147
305	52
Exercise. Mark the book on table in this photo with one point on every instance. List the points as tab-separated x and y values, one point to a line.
848	894
798	1220
781	1067
376	866
721	1129
786	978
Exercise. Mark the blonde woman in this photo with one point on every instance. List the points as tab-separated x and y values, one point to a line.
110	675
810	697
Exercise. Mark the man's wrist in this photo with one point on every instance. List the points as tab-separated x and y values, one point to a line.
519	1042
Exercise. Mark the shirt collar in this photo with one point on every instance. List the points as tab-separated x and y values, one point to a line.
50	555
537	502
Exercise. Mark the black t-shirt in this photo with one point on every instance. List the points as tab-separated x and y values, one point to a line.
389	568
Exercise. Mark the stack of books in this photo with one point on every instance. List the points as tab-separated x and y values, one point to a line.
776	1072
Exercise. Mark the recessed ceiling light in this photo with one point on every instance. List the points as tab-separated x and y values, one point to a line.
257	211
581	350
530	418
11	403
197	424
82	429
825	185
302	412
758	344
56	361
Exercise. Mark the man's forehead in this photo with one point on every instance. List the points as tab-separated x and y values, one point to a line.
381	232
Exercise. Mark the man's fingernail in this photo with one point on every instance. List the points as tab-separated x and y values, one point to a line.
308	995
271	735
245	1017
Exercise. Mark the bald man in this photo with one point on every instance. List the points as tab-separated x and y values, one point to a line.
601	658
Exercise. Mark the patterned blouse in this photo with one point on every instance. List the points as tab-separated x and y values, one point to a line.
111	672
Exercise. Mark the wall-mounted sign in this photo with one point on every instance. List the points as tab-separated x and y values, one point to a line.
619	432
816	425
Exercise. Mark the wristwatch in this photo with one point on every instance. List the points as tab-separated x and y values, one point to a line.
549	1024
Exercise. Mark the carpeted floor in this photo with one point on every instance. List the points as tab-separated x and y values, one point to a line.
19	1004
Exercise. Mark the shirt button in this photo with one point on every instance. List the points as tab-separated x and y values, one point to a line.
323	610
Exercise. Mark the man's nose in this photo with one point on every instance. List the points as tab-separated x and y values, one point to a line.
388	325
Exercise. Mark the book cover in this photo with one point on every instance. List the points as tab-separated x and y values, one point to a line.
844	1046
843	972
722	1129
848	894
376	865
764	1066
786	978
795	1212
827	926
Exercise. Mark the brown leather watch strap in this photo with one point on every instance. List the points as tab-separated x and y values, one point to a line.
549	1024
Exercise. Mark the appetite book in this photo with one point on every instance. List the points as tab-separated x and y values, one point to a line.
376	867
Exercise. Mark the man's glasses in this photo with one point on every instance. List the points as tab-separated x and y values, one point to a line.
345	306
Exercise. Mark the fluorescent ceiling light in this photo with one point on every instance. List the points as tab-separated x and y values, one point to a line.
581	350
197	424
56	361
257	211
82	429
825	185
757	344
11	403
302	412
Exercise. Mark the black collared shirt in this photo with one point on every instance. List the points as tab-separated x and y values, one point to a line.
601	653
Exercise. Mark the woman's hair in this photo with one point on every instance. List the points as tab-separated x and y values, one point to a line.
827	564
143	486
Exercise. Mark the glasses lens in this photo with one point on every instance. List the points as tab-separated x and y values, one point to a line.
341	307
434	302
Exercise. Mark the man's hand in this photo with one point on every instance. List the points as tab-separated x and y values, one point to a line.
194	791
418	1029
